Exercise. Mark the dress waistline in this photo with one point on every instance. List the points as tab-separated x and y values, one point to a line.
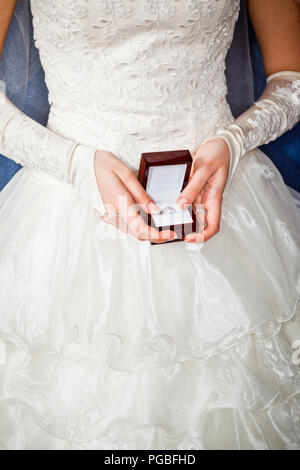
128	135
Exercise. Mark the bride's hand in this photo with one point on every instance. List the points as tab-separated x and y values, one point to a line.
210	170
121	192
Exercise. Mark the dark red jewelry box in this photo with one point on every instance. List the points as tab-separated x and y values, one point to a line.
164	175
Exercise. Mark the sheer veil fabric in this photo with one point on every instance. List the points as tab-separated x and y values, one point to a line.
115	344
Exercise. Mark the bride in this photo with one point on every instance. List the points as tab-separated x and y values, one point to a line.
109	341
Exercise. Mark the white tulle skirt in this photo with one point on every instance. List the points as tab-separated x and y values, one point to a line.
111	343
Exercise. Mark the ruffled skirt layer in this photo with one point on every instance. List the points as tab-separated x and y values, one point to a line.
111	343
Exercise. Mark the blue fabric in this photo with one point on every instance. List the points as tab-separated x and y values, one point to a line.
285	151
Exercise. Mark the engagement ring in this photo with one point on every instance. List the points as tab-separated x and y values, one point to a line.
167	209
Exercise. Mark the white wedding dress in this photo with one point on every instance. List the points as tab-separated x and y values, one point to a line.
111	343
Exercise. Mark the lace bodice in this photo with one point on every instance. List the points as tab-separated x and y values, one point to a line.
133	76
136	75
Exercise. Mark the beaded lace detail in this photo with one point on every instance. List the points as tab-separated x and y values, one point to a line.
270	119
277	111
34	146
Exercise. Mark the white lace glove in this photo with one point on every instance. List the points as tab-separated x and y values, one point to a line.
276	111
30	144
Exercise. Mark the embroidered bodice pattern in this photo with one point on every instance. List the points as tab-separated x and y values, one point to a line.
132	76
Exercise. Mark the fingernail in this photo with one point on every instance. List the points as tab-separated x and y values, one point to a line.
182	201
153	208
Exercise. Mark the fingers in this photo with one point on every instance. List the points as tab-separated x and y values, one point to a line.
213	216
129	219
201	215
161	237
211	157
212	221
121	188
137	191
140	230
211	202
128	211
194	187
